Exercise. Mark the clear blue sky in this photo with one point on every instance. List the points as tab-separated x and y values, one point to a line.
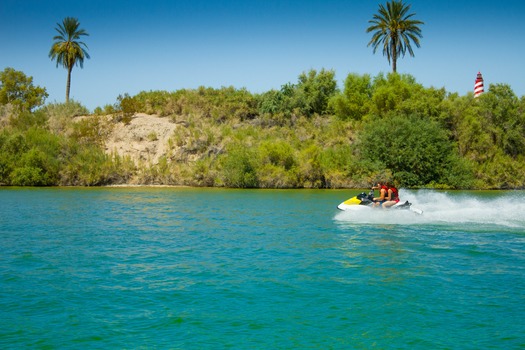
259	45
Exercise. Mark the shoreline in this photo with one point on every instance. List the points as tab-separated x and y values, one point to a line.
265	188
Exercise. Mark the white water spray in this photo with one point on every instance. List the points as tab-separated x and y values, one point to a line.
439	207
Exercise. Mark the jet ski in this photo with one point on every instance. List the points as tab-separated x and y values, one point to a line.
365	201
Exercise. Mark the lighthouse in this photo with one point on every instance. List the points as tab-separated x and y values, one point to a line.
478	85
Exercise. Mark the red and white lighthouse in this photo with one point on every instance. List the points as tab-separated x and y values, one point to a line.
478	85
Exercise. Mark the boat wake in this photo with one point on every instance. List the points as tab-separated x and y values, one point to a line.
477	208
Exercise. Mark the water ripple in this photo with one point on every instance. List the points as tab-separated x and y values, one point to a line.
193	269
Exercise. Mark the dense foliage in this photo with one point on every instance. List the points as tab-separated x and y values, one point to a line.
308	134
416	150
18	91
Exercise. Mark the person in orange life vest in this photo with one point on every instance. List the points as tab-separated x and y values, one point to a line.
383	191
392	196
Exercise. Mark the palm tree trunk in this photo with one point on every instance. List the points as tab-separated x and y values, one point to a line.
394	57
68	84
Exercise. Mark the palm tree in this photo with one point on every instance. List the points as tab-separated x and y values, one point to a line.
394	30
67	50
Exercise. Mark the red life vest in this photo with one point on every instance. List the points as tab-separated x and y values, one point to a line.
383	187
395	194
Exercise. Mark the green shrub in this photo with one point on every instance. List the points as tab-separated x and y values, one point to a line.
92	130
355	100
311	172
153	102
28	176
29	158
107	110
239	167
308	97
60	115
89	166
26	120
127	106
204	173
415	150
278	153
35	169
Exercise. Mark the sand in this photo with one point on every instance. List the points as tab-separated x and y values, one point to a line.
144	139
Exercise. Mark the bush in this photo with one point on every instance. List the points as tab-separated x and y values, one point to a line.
88	165
128	107
35	169
308	97
29	158
314	90
60	115
417	151
107	110
278	153
355	101
277	165
92	130
26	120
239	168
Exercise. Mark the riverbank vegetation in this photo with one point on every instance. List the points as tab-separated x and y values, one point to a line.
308	134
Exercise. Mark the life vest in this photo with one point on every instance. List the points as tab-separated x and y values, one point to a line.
383	187
395	194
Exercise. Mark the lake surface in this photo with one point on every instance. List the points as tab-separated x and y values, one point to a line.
181	268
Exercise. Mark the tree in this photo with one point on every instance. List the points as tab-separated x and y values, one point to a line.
356	100
18	90
416	150
394	30
67	50
503	120
309	96
314	90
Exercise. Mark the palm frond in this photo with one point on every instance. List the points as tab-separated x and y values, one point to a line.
393	29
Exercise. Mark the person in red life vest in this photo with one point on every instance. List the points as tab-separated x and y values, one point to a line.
392	196
383	192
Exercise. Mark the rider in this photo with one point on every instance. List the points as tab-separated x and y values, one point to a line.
392	196
383	191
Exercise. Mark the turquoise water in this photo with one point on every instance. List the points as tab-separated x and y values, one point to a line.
170	268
